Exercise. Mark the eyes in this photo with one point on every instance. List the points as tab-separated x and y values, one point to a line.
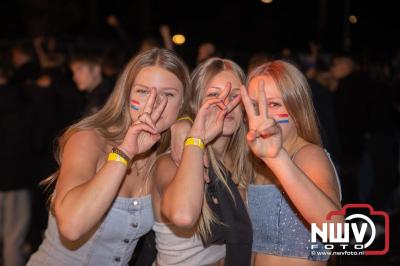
169	94
145	92
142	91
214	94
274	104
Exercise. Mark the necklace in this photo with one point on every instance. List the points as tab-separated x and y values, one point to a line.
139	170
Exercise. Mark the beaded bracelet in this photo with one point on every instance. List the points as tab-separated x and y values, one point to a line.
121	153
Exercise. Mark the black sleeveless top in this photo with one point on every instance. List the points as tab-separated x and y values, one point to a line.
234	228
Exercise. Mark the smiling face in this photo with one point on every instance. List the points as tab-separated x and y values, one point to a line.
214	87
276	107
166	85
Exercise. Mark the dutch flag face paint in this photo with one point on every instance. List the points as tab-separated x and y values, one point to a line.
282	118
135	105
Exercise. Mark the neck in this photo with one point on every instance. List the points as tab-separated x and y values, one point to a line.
220	145
144	157
96	82
142	162
290	143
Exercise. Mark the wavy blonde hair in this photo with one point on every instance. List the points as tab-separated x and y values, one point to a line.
296	96
113	120
237	148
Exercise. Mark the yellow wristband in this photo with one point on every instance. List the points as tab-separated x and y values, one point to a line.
117	158
194	141
185	118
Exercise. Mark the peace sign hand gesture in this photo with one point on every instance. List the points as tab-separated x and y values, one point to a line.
264	136
143	134
209	120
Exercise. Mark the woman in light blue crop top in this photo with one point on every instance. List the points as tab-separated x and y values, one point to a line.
102	205
295	183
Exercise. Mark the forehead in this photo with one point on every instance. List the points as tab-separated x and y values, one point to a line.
80	64
222	78
155	76
270	88
341	61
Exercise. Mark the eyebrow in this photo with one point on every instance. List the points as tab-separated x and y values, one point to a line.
273	98
148	88
213	87
268	99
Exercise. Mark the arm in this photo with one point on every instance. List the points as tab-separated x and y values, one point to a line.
165	32
43	58
309	182
183	199
179	132
122	34
310	179
82	195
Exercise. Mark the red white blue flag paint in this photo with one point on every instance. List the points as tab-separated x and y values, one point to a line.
135	105
282	118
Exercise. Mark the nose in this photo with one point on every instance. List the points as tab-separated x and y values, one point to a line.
158	99
227	99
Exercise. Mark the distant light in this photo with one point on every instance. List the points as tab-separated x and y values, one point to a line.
353	19
178	39
266	1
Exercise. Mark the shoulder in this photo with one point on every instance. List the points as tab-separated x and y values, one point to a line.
87	143
315	164
80	158
165	166
165	170
311	155
88	139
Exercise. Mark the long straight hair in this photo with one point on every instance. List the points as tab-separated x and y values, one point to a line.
113	120
296	96
237	149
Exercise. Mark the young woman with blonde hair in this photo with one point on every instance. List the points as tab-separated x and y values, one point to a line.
102	205
295	182
200	200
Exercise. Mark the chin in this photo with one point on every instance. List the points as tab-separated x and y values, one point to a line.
81	88
228	131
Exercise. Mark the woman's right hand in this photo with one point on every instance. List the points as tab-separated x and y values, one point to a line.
143	134
265	135
209	120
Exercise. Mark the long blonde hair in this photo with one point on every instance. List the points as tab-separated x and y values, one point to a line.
237	148
113	120
296	96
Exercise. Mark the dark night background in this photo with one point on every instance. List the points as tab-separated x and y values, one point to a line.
239	29
242	26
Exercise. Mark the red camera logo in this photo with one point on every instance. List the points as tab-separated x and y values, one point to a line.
339	234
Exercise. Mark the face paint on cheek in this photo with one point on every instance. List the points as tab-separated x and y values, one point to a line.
282	118
135	105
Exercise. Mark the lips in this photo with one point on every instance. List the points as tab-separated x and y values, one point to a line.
229	117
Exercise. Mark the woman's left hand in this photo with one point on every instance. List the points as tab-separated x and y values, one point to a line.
264	136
